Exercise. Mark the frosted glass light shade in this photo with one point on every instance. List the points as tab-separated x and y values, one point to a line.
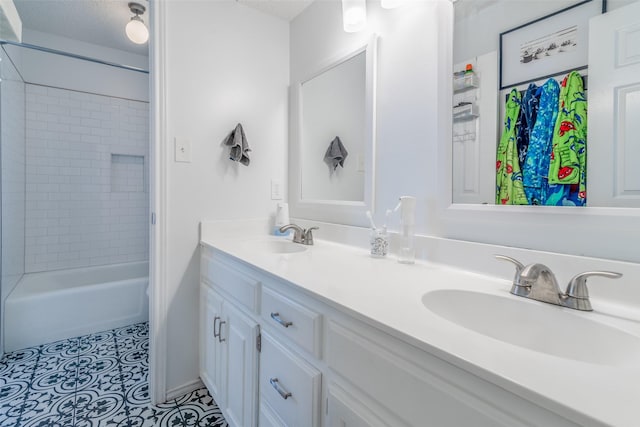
137	31
354	15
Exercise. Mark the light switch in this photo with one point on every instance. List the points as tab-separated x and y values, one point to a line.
360	161
183	150
276	189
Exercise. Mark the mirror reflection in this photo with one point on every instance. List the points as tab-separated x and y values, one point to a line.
333	106
520	103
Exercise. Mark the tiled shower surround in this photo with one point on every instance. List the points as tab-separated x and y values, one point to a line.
87	194
12	135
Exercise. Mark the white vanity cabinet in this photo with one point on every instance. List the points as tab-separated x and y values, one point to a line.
290	387
345	408
229	341
322	365
290	366
211	371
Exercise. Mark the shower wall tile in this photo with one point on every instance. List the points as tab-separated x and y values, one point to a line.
12	137
75	215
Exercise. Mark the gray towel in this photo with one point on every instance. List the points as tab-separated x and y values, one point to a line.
239	151
336	153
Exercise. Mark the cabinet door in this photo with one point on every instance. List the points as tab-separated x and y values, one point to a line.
211	363
240	338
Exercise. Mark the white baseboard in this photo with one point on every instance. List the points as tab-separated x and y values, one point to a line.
179	391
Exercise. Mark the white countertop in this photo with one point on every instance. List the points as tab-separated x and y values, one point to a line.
390	294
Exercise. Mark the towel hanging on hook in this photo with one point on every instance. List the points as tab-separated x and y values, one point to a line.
239	151
336	153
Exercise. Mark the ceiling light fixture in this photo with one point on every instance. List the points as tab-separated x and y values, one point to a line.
354	15
135	29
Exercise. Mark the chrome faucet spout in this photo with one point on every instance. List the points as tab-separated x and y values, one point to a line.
298	232
544	286
300	235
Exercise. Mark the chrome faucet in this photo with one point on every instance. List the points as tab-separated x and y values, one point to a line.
300	235
537	281
542	283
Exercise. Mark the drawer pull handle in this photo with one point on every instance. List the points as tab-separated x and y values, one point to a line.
285	394
276	317
220	339
215	327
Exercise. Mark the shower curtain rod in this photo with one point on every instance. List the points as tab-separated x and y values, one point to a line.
73	55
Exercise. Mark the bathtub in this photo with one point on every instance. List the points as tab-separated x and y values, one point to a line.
55	305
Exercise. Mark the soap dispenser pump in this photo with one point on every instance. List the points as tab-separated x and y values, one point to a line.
407	250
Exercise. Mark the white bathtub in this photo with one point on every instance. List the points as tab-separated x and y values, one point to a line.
55	305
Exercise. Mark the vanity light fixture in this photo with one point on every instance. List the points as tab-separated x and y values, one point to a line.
354	15
135	29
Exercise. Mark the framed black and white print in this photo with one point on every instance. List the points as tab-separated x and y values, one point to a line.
551	45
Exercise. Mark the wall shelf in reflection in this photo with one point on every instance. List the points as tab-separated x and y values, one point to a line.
465	112
465	82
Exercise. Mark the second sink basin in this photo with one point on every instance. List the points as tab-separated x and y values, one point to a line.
536	326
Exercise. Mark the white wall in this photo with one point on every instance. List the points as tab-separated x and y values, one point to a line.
12	152
407	108
10	23
478	24
225	63
80	209
63	72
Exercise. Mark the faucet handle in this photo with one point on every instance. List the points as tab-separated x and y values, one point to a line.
577	287
518	288
308	235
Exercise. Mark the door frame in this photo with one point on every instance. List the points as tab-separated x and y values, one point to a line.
158	205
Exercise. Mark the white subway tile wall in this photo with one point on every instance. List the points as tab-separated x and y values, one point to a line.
12	136
127	173
75	214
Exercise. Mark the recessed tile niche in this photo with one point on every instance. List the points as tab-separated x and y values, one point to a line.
127	173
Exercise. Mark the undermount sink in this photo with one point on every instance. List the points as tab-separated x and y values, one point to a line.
277	246
535	326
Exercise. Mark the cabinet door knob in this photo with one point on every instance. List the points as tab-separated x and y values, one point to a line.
283	393
215	327
276	317
220	339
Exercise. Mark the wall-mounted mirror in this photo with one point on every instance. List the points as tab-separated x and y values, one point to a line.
536	39
333	150
333	132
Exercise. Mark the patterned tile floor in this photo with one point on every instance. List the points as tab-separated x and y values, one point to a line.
97	380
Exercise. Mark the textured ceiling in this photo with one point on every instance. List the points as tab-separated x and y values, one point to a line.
285	9
99	22
102	22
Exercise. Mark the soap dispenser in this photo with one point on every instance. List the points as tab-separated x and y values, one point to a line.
282	219
406	247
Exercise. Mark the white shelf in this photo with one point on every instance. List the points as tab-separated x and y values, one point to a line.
465	112
466	82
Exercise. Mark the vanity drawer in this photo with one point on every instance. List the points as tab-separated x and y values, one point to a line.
241	287
298	323
288	385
